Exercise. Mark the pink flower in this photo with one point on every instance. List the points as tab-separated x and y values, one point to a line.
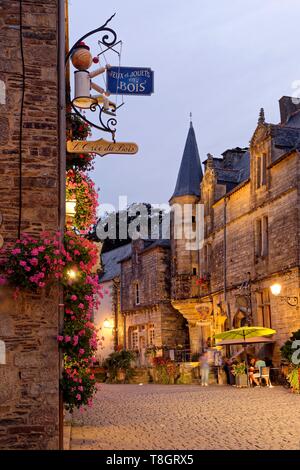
34	261
59	338
41	248
78	397
81	306
67	339
75	340
34	252
42	284
80	388
81	351
16	251
73	297
23	263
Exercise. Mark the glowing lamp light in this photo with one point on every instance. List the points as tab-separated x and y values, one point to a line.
276	289
72	274
71	208
107	323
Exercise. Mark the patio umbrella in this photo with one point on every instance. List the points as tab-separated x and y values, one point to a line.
244	333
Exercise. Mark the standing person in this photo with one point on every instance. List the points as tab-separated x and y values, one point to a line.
227	369
204	368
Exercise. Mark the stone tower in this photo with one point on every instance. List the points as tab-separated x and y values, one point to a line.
185	261
185	252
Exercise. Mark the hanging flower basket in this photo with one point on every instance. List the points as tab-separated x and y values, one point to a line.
82	188
31	263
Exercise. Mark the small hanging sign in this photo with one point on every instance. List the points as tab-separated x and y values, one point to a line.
130	81
102	147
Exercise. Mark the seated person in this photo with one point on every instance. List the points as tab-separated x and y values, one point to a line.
252	375
259	364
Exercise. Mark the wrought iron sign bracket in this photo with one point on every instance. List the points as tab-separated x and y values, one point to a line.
109	40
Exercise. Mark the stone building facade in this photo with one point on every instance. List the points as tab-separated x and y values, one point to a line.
251	201
31	190
149	318
249	198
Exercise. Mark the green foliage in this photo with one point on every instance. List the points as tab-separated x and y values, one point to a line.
119	361
294	379
78	129
166	371
239	369
286	349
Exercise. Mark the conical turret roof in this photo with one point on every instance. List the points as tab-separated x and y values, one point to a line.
190	173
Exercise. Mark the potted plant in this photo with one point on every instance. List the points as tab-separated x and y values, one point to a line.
119	366
289	355
239	371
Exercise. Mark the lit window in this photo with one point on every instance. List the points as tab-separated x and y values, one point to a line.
135	339
151	334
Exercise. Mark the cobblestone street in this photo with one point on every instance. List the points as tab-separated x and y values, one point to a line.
188	417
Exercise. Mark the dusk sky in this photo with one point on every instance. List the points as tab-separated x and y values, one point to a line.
221	60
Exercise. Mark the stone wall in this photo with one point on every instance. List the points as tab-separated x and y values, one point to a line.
151	270
278	200
29	381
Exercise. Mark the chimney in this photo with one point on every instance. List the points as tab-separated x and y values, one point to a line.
288	105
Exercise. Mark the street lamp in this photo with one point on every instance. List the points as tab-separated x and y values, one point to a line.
71	208
276	289
291	300
107	323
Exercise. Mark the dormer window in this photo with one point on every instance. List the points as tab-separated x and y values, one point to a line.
261	170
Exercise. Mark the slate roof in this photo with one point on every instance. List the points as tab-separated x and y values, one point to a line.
111	262
190	173
286	137
233	168
156	243
148	245
294	120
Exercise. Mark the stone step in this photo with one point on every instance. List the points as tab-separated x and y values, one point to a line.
140	375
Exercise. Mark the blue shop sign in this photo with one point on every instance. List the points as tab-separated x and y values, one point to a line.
130	81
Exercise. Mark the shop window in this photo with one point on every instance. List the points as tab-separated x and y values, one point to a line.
134	339
151	334
264	309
